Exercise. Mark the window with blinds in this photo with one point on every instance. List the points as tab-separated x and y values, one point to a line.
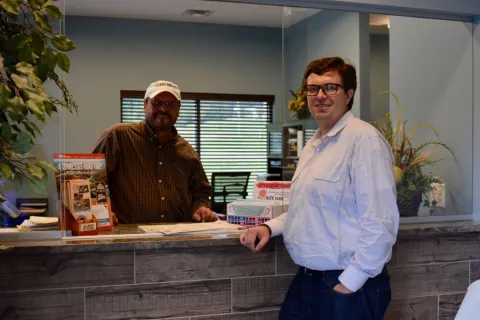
229	132
309	134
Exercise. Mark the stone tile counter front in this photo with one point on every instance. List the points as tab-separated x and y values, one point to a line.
214	277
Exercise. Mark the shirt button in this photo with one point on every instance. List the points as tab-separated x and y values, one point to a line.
160	163
163	198
163	216
159	146
159	181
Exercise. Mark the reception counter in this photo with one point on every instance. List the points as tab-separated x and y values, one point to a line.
214	276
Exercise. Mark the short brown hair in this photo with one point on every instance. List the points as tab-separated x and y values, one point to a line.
346	71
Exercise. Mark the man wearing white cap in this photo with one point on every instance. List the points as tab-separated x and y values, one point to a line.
155	175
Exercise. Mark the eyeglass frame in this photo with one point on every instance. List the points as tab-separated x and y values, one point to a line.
167	103
337	85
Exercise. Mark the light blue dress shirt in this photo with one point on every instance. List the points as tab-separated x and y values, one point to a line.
342	213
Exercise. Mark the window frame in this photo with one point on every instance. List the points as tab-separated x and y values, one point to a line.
198	97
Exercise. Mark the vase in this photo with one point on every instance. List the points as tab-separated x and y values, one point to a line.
303	114
410	207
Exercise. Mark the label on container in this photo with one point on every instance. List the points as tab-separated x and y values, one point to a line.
87	227
272	190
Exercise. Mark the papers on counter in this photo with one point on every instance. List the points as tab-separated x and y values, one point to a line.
35	228
8	230
39	223
191	228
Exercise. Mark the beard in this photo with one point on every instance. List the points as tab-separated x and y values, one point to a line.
161	120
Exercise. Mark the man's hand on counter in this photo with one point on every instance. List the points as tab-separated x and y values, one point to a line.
255	238
204	214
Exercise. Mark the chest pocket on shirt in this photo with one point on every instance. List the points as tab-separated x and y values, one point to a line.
327	189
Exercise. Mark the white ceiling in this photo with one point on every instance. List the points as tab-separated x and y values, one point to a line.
223	12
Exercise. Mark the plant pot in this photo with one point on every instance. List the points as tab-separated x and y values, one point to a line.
410	208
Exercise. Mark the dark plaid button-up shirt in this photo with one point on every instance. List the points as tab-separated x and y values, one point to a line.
151	182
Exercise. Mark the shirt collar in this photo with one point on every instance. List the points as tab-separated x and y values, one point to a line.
336	128
340	124
151	133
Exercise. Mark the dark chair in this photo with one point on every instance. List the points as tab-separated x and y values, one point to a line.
227	187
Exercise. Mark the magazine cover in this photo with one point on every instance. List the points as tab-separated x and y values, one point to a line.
82	187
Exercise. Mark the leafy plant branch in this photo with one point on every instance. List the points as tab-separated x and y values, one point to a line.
31	50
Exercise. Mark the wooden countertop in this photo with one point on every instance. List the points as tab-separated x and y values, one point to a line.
135	240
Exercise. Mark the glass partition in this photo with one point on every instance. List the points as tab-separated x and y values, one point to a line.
39	132
239	74
412	84
229	70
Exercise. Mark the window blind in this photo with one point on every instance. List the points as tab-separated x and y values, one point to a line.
309	134
233	136
229	132
275	143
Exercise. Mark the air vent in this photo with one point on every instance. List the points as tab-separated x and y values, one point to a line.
197	13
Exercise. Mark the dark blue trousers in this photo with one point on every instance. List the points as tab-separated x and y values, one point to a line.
311	297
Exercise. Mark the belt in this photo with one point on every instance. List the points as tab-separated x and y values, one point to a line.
318	272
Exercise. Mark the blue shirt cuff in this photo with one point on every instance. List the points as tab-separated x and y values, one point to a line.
352	278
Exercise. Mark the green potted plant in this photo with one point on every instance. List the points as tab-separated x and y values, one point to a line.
30	51
410	162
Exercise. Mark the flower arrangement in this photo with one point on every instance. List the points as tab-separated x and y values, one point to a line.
298	104
412	182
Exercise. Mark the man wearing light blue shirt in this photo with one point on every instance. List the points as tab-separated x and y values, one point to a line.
343	218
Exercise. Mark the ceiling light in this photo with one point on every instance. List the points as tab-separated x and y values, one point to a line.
197	13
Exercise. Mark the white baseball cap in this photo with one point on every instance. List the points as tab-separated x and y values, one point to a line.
162	86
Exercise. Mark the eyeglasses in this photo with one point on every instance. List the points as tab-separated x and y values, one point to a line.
159	103
329	89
